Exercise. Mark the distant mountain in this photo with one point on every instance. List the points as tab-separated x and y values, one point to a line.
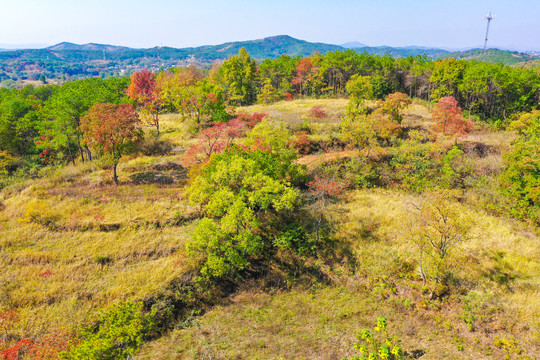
270	47
73	61
86	47
353	45
402	51
492	55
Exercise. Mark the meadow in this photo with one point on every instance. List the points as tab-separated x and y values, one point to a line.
74	244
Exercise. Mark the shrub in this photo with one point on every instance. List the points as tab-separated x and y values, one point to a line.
152	146
303	144
118	334
393	105
317	112
39	213
240	193
375	345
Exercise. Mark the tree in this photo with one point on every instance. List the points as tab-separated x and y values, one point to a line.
111	129
322	192
239	76
438	225
240	193
18	123
393	105
359	89
213	139
279	72
145	91
448	118
447	76
61	115
304	69
521	176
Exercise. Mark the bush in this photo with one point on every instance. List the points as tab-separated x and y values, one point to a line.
317	112
377	345
118	334
39	213
152	146
303	144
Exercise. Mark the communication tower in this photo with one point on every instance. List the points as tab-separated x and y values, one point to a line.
488	17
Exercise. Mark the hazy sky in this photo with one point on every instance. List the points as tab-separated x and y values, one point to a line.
180	23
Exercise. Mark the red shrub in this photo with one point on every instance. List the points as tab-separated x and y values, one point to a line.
251	119
302	143
317	112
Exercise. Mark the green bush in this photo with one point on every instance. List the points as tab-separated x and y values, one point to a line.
118	334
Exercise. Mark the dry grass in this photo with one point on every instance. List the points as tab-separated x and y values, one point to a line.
72	244
321	321
296	112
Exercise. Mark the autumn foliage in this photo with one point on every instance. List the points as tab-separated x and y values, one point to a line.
111	128
393	106
303	71
48	347
144	90
218	136
302	143
317	112
213	139
448	118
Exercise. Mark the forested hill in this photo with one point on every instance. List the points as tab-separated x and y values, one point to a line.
400	51
68	61
71	61
492	55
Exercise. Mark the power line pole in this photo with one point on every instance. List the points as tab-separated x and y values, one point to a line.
488	18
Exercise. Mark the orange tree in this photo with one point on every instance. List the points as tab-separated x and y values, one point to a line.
111	129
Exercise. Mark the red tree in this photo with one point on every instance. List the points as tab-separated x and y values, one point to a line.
145	91
212	140
303	70
111	129
448	118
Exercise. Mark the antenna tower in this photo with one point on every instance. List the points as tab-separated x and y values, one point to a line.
488	18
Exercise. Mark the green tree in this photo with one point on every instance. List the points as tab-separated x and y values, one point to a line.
240	193
62	113
521	177
437	227
238	75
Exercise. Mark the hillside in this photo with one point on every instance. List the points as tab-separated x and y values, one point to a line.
68	61
492	55
401	51
71	61
74	244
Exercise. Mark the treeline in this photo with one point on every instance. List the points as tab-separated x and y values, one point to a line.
42	124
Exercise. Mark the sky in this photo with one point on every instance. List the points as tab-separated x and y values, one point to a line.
455	24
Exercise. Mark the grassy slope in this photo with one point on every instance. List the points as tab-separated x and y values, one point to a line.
320	321
88	218
309	319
